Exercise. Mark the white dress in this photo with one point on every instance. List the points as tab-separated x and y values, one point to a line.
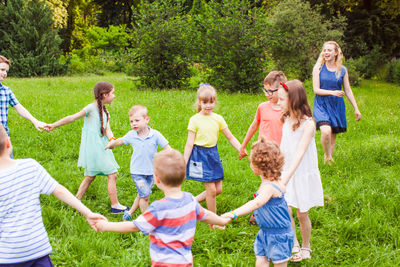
304	189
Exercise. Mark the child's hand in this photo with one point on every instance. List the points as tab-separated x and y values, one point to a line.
357	115
94	218
228	215
39	125
48	127
226	219
337	93
109	145
101	225
243	153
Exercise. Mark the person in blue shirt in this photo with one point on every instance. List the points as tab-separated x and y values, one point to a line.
144	141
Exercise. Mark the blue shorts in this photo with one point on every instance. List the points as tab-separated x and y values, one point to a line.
143	184
204	165
275	247
40	262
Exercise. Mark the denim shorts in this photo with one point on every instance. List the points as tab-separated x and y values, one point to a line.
275	247
42	261
143	184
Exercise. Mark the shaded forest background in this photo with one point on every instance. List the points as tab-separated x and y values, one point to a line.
231	44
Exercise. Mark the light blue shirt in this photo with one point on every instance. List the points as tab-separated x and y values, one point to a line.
144	150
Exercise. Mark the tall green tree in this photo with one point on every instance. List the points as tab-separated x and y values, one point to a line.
28	38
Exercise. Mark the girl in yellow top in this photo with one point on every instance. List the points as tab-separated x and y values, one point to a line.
201	153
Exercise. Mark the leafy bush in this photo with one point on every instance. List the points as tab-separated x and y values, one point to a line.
354	75
160	45
393	71
298	34
27	38
232	40
370	64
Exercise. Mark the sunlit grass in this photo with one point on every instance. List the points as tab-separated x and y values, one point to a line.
359	224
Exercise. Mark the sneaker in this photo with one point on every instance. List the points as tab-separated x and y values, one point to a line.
118	211
126	216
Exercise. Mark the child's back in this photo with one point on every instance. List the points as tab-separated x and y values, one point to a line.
171	225
22	233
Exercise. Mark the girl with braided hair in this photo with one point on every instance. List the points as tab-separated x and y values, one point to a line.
96	133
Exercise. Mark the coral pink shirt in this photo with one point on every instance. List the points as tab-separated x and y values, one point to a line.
270	122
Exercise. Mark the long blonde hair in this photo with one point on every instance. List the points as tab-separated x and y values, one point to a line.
338	58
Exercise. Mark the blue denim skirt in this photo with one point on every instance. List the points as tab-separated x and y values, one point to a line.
204	165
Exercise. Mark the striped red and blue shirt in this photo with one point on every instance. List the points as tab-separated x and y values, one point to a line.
22	233
171	225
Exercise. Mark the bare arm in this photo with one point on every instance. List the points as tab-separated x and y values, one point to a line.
231	138
114	143
319	91
167	147
65	120
23	112
350	96
64	195
308	134
189	145
264	195
109	133
250	132
118	227
213	218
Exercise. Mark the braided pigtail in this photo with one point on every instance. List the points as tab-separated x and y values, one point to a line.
99	90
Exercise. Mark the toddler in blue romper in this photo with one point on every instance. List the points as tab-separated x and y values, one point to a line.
274	241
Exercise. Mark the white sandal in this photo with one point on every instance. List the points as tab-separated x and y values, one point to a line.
299	256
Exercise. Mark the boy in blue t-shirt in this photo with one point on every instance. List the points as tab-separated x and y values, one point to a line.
144	142
23	238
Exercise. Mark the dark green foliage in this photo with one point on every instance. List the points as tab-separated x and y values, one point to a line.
28	39
298	34
354	75
393	71
231	43
160	45
116	12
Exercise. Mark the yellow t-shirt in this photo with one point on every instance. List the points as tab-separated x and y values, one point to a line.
206	128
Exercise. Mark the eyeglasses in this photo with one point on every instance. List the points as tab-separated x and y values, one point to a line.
270	92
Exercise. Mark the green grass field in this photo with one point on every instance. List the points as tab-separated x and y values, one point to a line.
359	224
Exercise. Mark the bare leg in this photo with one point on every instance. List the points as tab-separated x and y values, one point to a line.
135	206
296	247
112	188
333	140
262	262
326	135
202	196
305	228
143	203
84	186
282	264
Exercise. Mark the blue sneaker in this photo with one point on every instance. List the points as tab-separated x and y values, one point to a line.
118	211
126	216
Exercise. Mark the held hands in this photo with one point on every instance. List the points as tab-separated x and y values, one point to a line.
101	225
48	127
94	219
110	145
242	153
39	125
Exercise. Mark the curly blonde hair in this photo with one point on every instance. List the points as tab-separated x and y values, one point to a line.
267	159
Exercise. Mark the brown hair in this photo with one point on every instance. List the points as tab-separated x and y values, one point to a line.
298	106
3	137
275	76
99	90
139	108
170	167
3	59
267	158
205	93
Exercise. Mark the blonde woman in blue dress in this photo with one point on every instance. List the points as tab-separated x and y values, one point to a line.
96	133
329	76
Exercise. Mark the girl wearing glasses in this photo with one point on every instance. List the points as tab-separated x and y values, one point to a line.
268	115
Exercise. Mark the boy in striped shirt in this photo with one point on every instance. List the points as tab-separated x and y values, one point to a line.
23	238
171	221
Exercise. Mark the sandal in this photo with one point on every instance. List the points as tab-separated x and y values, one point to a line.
299	256
296	249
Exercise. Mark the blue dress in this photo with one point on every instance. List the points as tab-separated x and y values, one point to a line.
328	109
275	239
92	156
